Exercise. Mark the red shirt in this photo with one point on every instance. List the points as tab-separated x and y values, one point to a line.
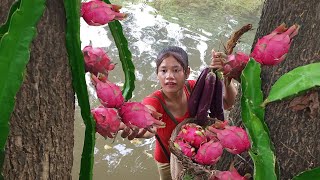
165	133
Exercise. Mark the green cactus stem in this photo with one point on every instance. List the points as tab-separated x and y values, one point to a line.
262	150
14	56
76	62
125	57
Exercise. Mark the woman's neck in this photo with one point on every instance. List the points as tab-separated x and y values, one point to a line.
173	97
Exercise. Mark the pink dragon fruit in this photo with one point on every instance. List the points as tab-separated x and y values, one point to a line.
219	124
136	114
185	147
97	12
234	139
107	121
234	65
193	134
228	175
272	49
108	93
209	153
97	61
210	135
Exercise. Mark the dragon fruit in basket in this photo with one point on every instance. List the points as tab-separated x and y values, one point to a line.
234	139
209	153
193	134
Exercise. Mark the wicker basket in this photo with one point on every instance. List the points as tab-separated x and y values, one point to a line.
180	165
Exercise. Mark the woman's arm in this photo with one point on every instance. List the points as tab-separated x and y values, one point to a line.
230	91
229	95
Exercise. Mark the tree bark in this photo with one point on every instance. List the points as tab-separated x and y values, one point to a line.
40	143
295	134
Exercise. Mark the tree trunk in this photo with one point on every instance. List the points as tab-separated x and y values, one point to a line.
295	134
40	144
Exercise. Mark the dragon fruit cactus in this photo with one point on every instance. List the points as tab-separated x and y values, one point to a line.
107	121
193	134
234	65
209	153
136	114
272	49
185	147
97	12
234	139
228	175
97	61
108	93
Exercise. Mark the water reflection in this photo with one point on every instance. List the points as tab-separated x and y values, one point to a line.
148	30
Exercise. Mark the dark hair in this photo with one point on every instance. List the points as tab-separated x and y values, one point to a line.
178	53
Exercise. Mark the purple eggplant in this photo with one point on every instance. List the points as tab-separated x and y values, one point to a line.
216	107
195	96
206	98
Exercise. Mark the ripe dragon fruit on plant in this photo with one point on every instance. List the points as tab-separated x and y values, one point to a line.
136	114
234	139
273	48
185	147
97	12
108	93
97	61
209	153
107	121
193	134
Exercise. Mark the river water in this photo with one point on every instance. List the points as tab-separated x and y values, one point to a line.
197	27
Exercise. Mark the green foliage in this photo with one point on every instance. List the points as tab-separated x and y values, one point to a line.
76	61
308	175
4	27
14	56
125	57
252	114
294	82
188	177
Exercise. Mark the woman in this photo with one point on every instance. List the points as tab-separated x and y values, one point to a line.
172	72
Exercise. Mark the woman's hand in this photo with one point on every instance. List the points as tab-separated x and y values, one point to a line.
135	132
218	60
131	132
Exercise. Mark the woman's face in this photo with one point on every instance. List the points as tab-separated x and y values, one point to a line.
171	75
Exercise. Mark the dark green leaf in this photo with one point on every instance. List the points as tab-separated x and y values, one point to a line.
252	115
125	57
76	61
308	175
14	56
4	27
292	83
